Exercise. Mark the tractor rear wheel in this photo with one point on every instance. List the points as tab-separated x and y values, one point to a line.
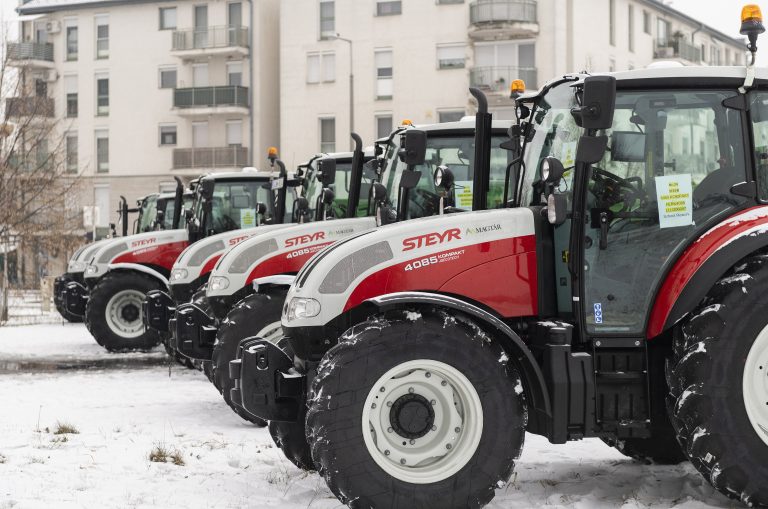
255	315
113	312
719	384
416	410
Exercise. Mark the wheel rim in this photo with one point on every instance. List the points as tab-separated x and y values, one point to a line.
272	332
755	387
124	313
422	421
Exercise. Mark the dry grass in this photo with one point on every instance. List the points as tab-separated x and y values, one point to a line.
3	459
64	428
162	454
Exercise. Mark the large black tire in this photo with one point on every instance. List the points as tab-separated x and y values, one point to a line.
707	400
661	448
64	312
246	319
96	319
290	437
349	374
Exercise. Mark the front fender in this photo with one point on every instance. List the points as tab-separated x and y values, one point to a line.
139	268
278	280
535	386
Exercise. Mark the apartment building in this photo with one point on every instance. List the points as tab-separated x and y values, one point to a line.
416	59
143	91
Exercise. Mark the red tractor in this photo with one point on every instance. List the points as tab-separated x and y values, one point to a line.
618	294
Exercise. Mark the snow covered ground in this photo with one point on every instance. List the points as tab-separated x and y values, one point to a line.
122	414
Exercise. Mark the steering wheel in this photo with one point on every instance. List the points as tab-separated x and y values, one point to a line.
610	189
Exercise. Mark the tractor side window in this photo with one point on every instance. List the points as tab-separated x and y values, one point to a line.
759	112
148	214
671	161
235	205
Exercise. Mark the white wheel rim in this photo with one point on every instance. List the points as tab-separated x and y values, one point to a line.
755	387
272	332
447	445
120	311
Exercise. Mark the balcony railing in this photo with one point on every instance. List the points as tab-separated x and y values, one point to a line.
676	48
29	107
201	97
218	157
502	11
210	37
30	51
499	79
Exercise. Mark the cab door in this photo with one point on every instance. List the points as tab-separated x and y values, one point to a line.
672	159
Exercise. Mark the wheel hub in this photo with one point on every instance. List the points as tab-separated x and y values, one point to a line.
411	416
755	385
123	313
422	421
130	313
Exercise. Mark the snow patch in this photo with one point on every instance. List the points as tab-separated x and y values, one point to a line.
504	359
412	315
519	387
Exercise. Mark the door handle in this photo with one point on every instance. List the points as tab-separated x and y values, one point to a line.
603	230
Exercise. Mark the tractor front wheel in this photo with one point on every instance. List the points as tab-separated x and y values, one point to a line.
719	384
416	410
113	312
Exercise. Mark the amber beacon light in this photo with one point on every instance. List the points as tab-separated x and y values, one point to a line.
752	26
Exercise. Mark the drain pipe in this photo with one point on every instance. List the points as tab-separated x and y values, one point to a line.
693	39
251	159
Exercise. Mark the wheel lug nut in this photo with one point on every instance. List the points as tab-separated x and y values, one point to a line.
412	442
390	430
386	453
457	429
433	402
402	461
443	383
428	374
389	403
434	428
373	405
410	390
382	389
448	446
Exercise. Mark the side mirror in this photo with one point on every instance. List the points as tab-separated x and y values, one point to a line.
302	204
443	177
598	103
327	171
261	208
413	143
551	170
206	187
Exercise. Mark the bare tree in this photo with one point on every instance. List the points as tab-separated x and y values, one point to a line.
39	184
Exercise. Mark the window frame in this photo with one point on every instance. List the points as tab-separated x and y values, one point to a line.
102	110
97	133
388	3
100	20
321	119
161	134
162	70
71	168
161	19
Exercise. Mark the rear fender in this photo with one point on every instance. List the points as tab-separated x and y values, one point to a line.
135	267
535	387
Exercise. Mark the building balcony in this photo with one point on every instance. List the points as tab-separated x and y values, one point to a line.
30	54
197	101
228	41
210	158
40	107
676	49
503	19
499	79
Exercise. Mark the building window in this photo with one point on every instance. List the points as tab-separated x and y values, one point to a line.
445	2
71	148
384	74
235	74
631	28
234	133
647	22
167	135
451	56
200	134
389	8
662	31
321	67
383	125
102	151
70	27
328	135
167	18
327	19
102	95
168	77
70	89
450	115
612	22
498	64
102	36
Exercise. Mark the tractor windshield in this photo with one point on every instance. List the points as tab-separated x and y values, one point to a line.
147	214
340	188
456	152
234	205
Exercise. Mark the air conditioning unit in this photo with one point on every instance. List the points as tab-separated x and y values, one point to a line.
53	27
51	76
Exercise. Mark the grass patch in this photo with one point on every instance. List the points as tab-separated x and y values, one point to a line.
64	428
62	439
162	454
3	459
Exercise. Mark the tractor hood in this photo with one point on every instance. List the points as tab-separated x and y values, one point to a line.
157	250
82	256
199	258
278	252
488	256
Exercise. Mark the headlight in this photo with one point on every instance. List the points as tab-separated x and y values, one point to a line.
177	274
92	269
77	267
218	283
301	307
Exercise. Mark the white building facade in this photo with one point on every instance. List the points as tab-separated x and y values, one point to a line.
416	59
145	91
